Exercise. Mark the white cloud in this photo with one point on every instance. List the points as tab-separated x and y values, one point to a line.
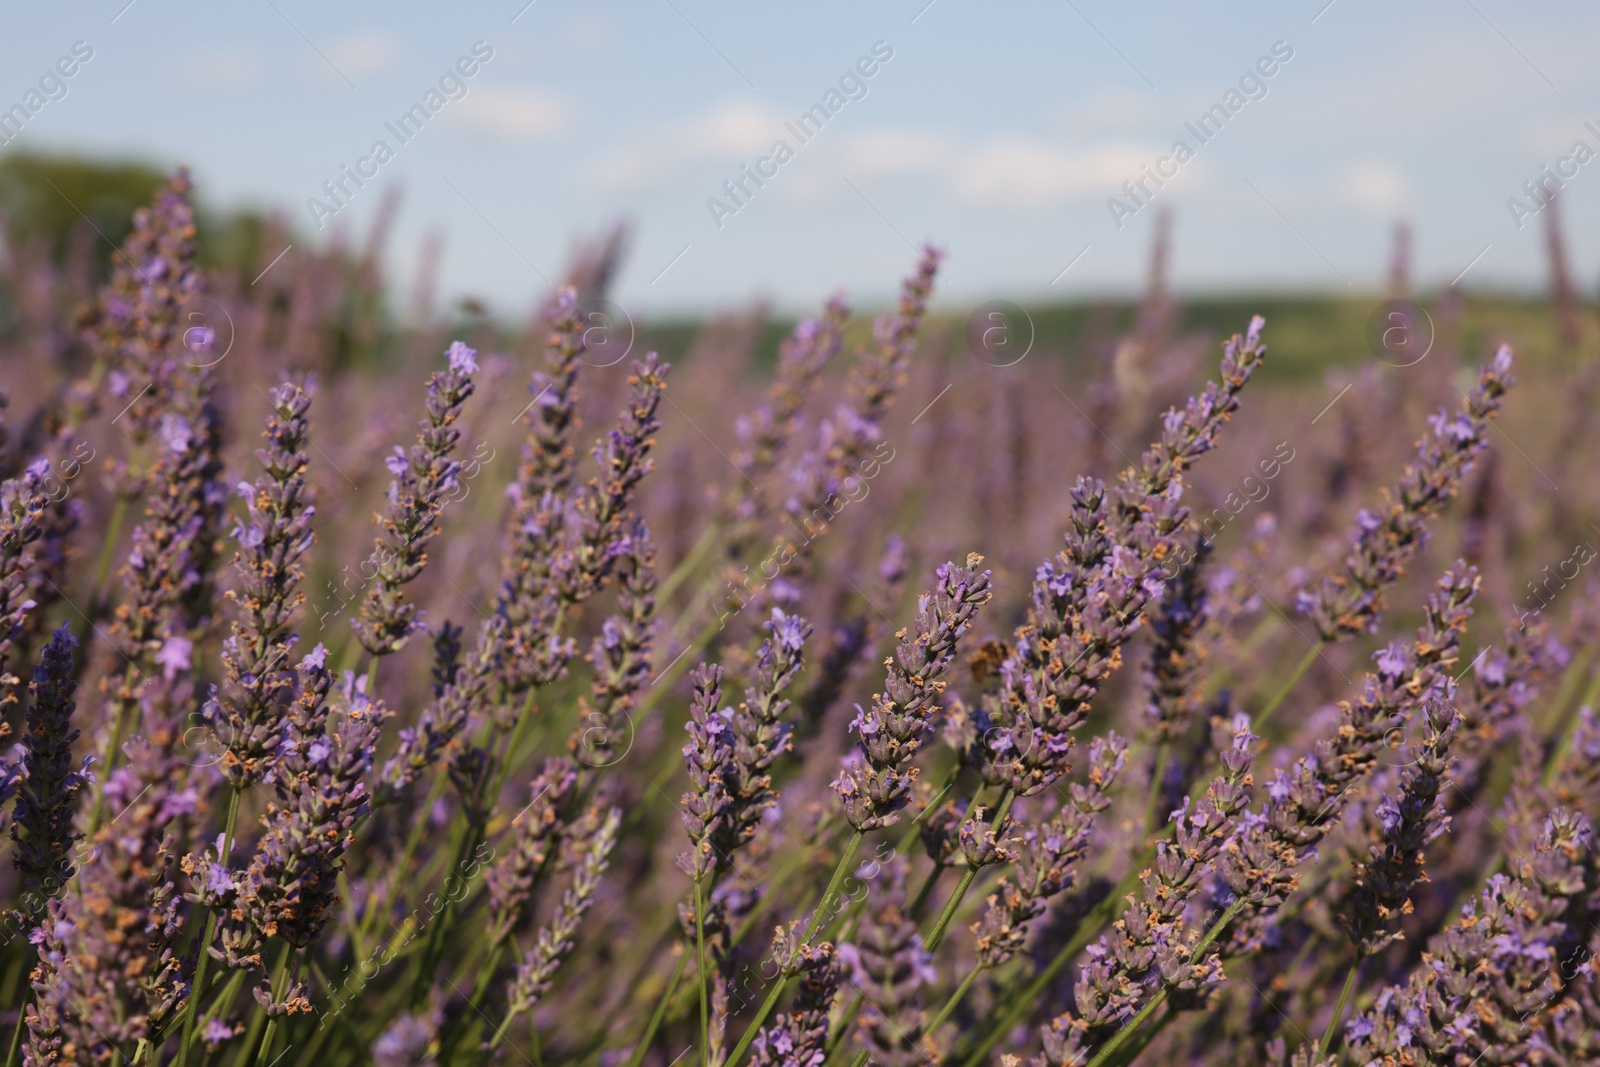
225	71
730	130
517	114
1016	172
364	54
1374	186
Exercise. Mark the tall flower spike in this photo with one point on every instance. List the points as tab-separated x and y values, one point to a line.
1383	882
1490	976
1153	946
796	1038
257	675
1121	550
620	656
764	434
1189	434
22	502
1047	857
1384	542
759	731
888	966
425	477
624	458
170	600
876	783
539	498
290	888
709	758
138	325
1171	693
852	441
41	823
1087	603
1305	802
732	751
537	833
592	842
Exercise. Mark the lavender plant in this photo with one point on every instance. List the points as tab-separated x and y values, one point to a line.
529	838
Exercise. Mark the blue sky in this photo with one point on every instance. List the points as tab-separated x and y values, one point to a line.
999	129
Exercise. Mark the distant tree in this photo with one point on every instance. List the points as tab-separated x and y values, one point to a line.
46	198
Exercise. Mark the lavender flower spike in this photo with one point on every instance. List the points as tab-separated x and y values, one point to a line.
876	784
1346	605
592	842
257	676
321	780
426	476
889	965
796	1038
1151	949
47	796
1383	882
22	503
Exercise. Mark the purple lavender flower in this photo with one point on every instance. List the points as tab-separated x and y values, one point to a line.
425	478
796	1038
537	832
1491	974
1153	949
764	435
321	778
1263	864
850	445
875	788
888	965
592	843
1382	883
1047	854
620	655
41	823
258	677
1343	606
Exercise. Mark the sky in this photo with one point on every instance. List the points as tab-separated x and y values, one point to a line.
1004	131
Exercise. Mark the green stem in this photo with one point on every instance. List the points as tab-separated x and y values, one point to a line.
1566	727
280	983
1338	1009
643	1047
1163	753
955	998
941	927
771	1002
191	1009
1294	679
16	1034
837	1034
702	977
119	513
690	561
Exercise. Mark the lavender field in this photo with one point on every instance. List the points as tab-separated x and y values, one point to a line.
482	692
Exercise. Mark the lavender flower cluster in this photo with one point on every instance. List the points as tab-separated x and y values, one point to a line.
628	767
